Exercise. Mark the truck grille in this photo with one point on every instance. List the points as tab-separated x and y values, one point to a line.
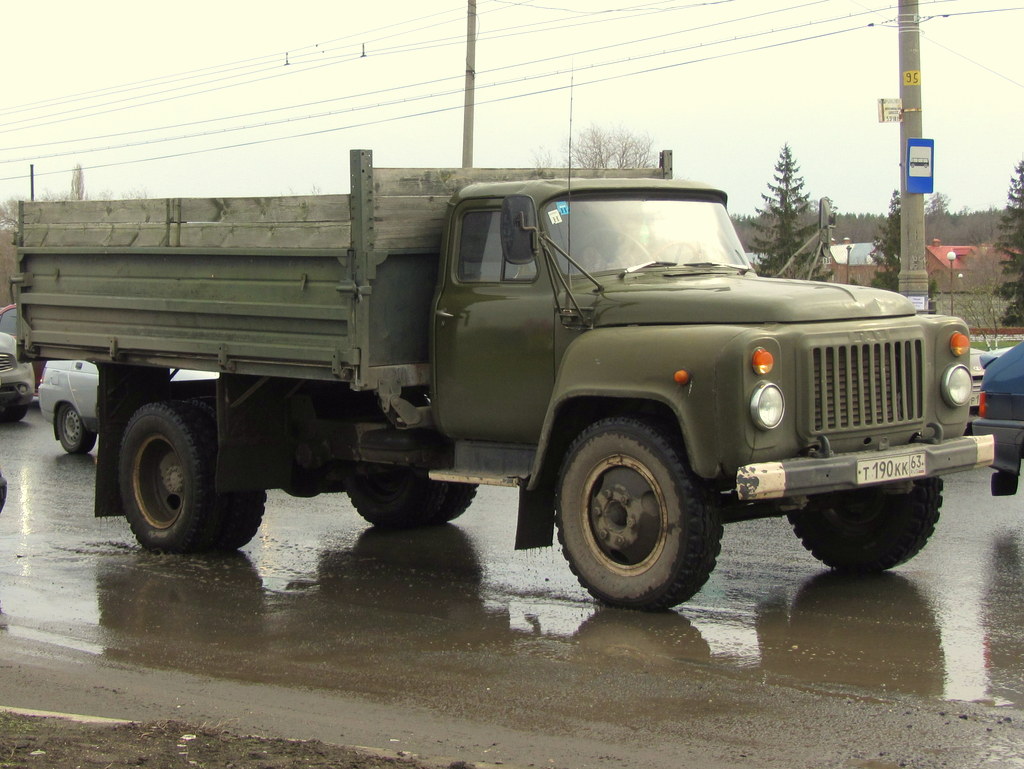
7	362
867	385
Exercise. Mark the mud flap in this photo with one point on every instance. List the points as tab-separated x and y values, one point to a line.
121	391
535	526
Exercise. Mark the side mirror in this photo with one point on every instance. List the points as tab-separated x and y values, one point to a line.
518	225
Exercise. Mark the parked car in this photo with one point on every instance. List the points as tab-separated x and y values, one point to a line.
9	325
9	319
3	490
67	399
17	382
977	373
1001	414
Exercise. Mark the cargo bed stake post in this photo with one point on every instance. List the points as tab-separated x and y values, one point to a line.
362	265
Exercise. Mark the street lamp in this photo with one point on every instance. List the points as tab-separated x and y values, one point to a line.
849	248
951	256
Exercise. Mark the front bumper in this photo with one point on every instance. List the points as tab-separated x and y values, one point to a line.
844	472
1009	438
15	394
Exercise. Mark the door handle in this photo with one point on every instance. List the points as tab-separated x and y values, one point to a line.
444	314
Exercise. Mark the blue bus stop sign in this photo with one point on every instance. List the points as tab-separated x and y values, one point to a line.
920	166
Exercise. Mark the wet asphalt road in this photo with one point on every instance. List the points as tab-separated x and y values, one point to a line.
447	642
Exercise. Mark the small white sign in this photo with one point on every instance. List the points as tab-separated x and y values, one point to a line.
920	301
890	110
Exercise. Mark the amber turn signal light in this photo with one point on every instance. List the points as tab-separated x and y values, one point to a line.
682	377
959	343
762	361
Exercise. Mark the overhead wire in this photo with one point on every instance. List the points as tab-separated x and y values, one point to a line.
508	31
422	97
439	110
516	30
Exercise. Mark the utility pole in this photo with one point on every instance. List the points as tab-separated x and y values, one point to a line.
913	275
467	115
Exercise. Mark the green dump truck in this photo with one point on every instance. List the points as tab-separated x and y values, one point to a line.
602	344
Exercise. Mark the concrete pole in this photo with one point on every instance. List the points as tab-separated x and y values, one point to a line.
913	275
467	114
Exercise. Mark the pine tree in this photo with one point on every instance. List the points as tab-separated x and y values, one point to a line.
887	248
1011	243
784	225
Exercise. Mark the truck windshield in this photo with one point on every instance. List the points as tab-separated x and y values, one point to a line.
603	233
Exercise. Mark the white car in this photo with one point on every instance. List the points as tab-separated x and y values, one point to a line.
17	382
67	398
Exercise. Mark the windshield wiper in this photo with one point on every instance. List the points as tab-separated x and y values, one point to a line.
645	265
707	266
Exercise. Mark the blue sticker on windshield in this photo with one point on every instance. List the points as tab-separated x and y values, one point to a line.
563	207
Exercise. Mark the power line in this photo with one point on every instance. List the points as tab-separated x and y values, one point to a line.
516	30
438	110
507	32
422	97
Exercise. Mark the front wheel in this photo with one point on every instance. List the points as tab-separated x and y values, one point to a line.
166	473
870	530
638	529
13	413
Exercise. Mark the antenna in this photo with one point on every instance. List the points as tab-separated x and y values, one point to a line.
568	188
572	92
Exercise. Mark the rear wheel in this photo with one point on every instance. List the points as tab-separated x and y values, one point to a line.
168	456
72	433
400	498
870	530
639	531
241	516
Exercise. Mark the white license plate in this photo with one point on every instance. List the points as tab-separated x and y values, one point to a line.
891	468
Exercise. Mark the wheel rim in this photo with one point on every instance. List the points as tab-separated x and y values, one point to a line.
159	482
626	521
385	485
71	424
860	518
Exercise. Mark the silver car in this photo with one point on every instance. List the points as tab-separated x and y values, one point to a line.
17	382
67	399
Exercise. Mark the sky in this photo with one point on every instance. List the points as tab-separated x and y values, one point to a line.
204	99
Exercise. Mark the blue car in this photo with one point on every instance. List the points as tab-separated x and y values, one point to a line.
1001	414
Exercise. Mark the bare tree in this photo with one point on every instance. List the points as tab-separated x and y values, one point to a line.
612	147
977	298
78	183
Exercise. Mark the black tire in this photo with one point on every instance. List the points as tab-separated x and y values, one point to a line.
639	531
393	497
71	431
241	516
166	473
13	413
868	531
457	499
240	512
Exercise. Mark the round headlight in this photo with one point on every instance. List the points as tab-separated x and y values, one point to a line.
956	386
767	406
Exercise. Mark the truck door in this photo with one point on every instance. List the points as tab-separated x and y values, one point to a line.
493	358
